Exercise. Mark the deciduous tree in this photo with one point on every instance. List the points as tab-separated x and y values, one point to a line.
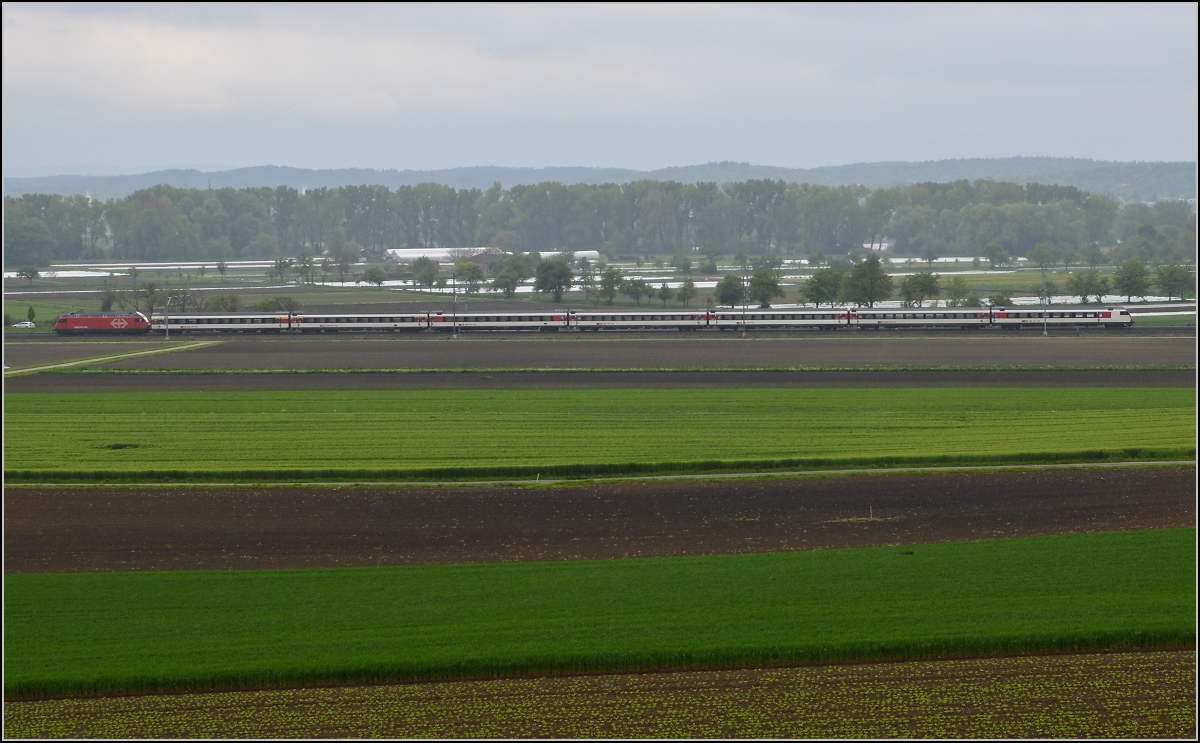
1044	255
1084	284
824	286
471	274
610	283
374	275
957	290
635	289
996	255
731	290
1175	281
28	273
867	283
764	286
918	287
554	275
425	271
686	291
1132	279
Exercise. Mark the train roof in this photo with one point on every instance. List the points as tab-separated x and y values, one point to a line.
103	314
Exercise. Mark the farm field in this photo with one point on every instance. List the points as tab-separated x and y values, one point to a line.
860	349
290	586
113	632
513	433
61	530
545	379
52	350
1170	321
1096	695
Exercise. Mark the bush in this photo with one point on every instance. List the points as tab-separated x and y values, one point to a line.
278	304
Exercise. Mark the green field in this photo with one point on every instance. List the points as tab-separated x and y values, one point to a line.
46	314
126	631
1168	321
471	433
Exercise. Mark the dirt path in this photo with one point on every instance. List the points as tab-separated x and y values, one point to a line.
79	529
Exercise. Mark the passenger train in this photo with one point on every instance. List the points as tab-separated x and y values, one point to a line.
609	320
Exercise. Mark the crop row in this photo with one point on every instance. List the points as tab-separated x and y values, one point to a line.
112	632
579	432
1129	695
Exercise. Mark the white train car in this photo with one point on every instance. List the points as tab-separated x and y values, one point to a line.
639	320
329	323
541	321
1019	317
917	317
765	319
236	323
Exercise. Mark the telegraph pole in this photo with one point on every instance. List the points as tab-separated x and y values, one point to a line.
1045	302
745	301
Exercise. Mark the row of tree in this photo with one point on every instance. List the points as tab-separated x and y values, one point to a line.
757	217
863	283
866	283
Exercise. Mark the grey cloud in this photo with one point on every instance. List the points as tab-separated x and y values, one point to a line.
421	86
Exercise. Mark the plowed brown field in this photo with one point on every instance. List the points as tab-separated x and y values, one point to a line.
53	350
69	530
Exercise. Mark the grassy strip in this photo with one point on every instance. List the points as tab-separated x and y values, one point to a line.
618	370
490	433
115	632
583	471
1181	320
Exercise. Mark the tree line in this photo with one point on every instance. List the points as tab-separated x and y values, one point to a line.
757	217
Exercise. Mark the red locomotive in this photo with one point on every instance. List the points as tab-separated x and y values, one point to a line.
108	323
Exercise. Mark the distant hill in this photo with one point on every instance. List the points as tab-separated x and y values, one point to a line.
1131	180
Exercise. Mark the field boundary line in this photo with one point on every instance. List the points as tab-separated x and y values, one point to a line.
103	359
764	475
621	370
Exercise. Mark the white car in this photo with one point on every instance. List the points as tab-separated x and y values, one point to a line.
25	324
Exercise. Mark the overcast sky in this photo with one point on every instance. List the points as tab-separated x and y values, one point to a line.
108	89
